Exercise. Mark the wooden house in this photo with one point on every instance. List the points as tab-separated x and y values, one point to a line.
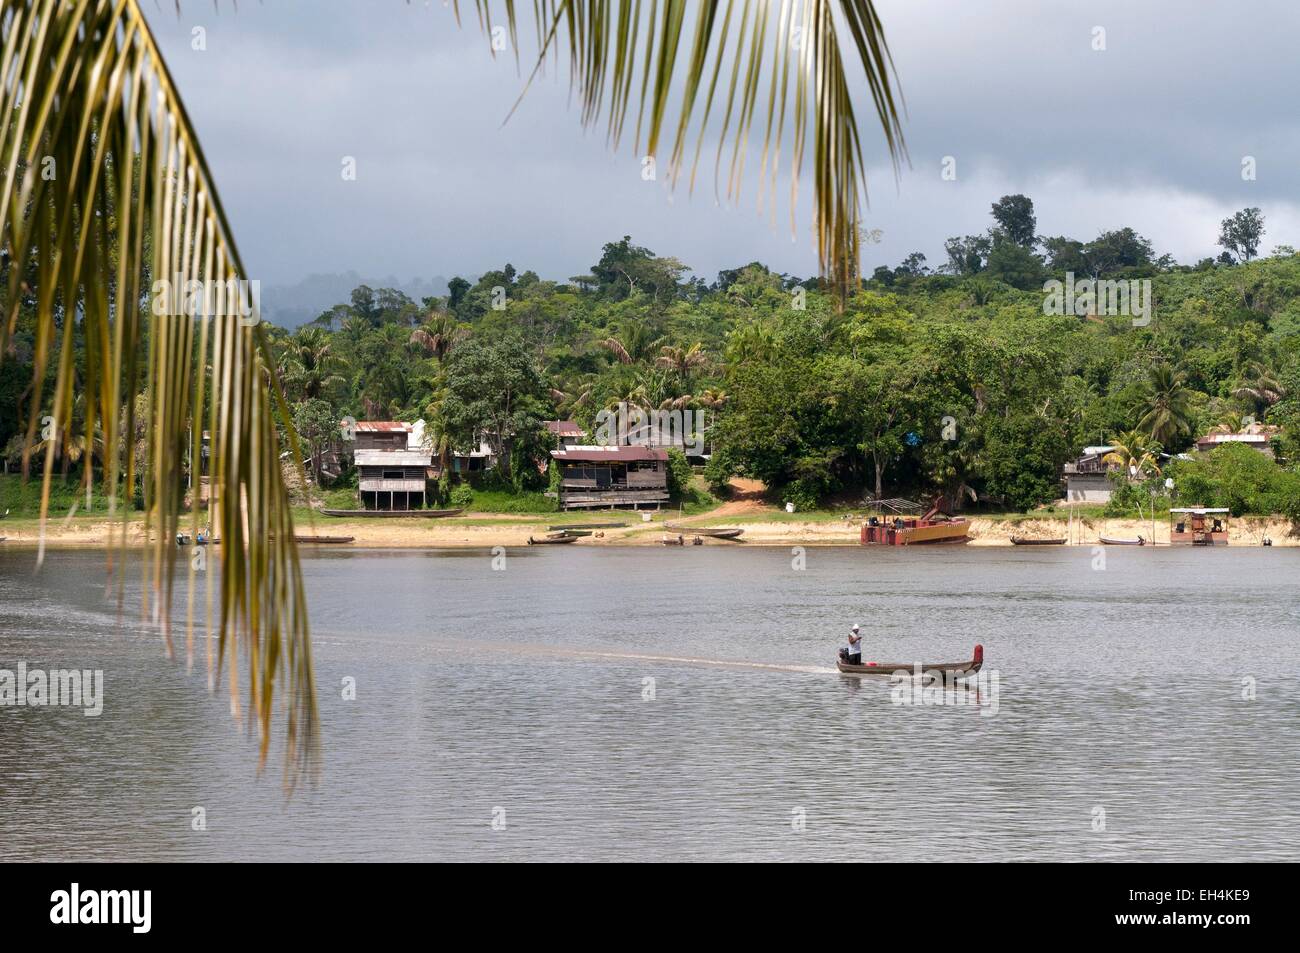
393	466
1088	479
600	476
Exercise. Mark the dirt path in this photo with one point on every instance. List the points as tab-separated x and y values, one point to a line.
746	499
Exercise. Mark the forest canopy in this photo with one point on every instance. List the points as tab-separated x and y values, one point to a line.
956	380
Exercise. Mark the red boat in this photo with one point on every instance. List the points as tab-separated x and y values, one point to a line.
934	527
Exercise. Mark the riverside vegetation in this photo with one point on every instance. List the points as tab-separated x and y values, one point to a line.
949	381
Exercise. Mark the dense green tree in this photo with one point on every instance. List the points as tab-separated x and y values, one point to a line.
1015	219
1014	264
966	256
493	390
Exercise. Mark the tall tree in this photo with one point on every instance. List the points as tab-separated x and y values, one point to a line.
1166	409
1240	233
1015	217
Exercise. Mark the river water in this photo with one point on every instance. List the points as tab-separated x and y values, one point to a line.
653	704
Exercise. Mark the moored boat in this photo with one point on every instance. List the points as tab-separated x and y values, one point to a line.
673	540
933	527
1025	541
957	669
571	526
713	532
393	514
548	540
1115	541
1200	526
323	540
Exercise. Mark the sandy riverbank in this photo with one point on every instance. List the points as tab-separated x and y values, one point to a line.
487	530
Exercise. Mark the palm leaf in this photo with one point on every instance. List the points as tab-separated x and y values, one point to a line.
87	96
794	52
86	92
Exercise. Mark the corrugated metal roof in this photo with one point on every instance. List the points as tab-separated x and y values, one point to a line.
395	458
618	454
1234	438
382	426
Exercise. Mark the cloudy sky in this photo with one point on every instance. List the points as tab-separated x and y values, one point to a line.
1149	132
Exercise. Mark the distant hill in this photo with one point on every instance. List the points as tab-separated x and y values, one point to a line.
292	305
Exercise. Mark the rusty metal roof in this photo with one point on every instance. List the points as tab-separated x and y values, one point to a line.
383	426
564	428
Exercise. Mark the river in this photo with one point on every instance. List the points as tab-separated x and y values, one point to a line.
682	704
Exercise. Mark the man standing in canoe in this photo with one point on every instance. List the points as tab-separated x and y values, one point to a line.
853	655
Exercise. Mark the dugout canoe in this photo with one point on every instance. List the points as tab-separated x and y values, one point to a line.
549	540
1024	541
1115	541
713	532
958	669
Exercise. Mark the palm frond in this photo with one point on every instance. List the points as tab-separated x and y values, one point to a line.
106	188
791	49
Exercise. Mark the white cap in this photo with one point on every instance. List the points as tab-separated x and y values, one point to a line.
855	628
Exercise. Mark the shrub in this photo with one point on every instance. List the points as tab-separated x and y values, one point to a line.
1240	478
802	493
718	473
679	473
462	496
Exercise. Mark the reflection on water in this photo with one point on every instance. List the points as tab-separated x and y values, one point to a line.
635	704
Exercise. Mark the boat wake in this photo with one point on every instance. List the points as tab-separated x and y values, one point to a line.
560	651
720	663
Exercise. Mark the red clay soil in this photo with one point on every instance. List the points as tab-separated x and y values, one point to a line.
746	497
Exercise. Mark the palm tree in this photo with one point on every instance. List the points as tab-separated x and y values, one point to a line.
631	343
1260	387
308	363
755	342
1130	452
438	335
1167	411
575	394
1231	422
713	399
84	86
682	360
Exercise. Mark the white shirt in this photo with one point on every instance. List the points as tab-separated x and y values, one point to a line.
855	647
